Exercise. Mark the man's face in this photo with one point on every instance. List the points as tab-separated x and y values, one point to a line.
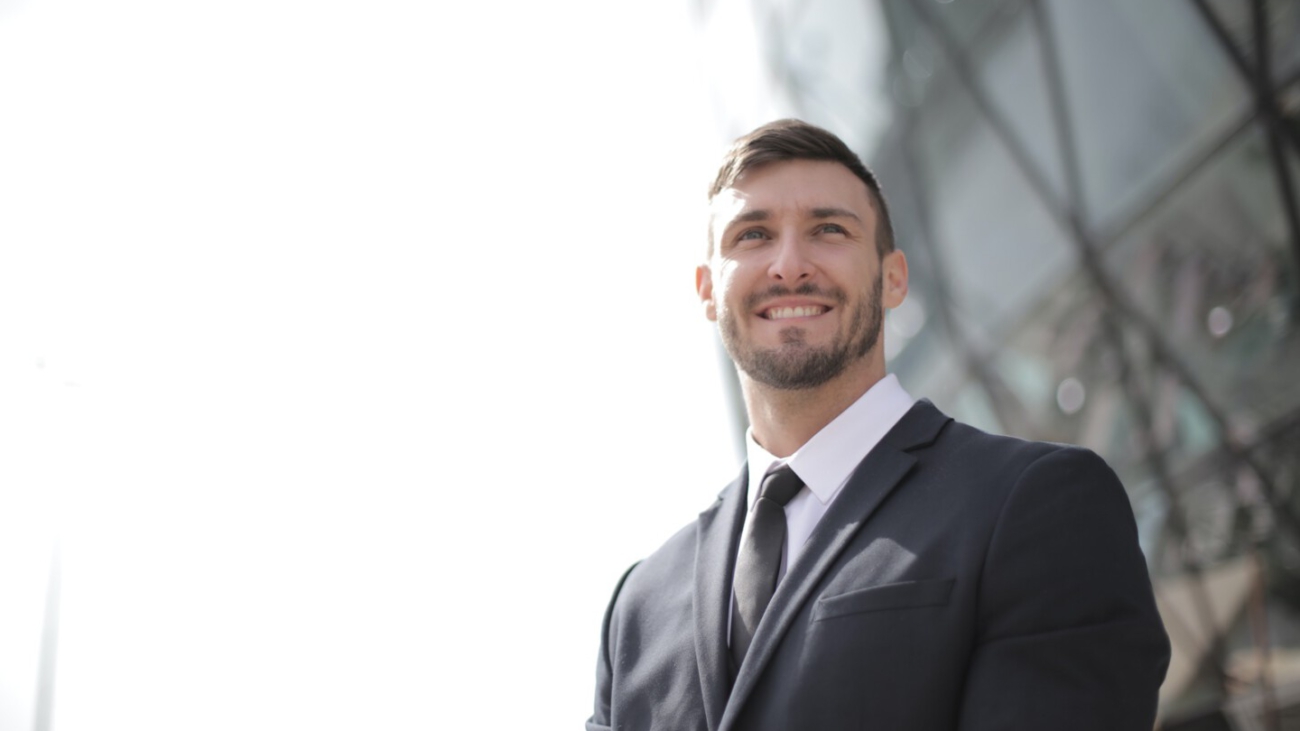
795	281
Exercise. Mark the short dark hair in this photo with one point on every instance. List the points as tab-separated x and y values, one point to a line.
793	139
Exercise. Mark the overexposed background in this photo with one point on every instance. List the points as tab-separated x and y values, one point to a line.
349	352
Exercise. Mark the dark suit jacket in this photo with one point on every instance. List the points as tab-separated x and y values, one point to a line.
960	580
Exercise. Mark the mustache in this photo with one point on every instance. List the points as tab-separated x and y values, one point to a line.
807	289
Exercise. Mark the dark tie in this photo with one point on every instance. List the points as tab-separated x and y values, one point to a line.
759	559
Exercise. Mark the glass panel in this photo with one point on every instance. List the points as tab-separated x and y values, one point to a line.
1179	424
921	314
1283	19
832	53
972	405
1060	364
1143	92
1011	69
1251	567
929	367
916	54
973	20
926	363
1213	265
999	245
1150	509
1209	504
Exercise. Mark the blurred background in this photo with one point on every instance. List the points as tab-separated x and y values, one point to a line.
341	347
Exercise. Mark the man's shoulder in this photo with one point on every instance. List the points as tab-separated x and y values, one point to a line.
679	550
979	449
1006	464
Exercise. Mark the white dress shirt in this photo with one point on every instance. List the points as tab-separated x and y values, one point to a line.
825	462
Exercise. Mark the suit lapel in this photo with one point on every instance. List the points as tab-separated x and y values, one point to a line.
875	478
718	534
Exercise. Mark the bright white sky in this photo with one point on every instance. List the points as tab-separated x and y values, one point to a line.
351	349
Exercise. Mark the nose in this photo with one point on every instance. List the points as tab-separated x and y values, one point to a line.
791	262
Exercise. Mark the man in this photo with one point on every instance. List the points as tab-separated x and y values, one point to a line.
877	565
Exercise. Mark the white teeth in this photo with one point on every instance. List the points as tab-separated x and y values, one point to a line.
781	313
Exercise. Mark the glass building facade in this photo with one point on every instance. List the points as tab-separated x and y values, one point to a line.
1099	203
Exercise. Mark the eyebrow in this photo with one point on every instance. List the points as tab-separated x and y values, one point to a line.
763	215
751	216
835	213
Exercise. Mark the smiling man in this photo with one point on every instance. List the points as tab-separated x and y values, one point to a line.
877	565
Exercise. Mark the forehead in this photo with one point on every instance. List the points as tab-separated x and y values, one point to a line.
792	188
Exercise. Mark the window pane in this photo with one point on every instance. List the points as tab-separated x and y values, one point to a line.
999	245
1283	19
1012	70
1144	90
1215	267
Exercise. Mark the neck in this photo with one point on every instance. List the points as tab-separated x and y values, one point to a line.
784	420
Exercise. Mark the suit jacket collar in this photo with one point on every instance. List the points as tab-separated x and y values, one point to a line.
876	477
717	538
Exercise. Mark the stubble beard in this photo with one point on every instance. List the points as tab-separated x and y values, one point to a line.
795	365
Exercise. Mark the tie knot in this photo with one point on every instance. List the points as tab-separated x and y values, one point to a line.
780	485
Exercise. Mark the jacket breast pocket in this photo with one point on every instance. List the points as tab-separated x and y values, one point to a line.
903	595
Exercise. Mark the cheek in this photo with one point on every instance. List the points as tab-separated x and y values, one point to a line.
862	270
719	286
729	281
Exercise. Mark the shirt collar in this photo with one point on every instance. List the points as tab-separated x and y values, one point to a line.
825	462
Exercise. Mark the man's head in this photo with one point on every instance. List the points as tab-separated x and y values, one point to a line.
801	261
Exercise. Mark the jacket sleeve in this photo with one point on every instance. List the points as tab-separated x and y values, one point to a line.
602	717
1068	636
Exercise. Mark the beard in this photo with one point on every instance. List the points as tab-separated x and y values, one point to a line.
794	365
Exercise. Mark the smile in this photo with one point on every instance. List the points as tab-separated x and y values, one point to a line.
784	313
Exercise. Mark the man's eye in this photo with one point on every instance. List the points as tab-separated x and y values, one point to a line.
832	228
754	235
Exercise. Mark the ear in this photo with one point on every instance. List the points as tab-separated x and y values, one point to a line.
894	271
704	288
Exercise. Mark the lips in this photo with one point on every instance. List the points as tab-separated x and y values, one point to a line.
785	313
783	303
